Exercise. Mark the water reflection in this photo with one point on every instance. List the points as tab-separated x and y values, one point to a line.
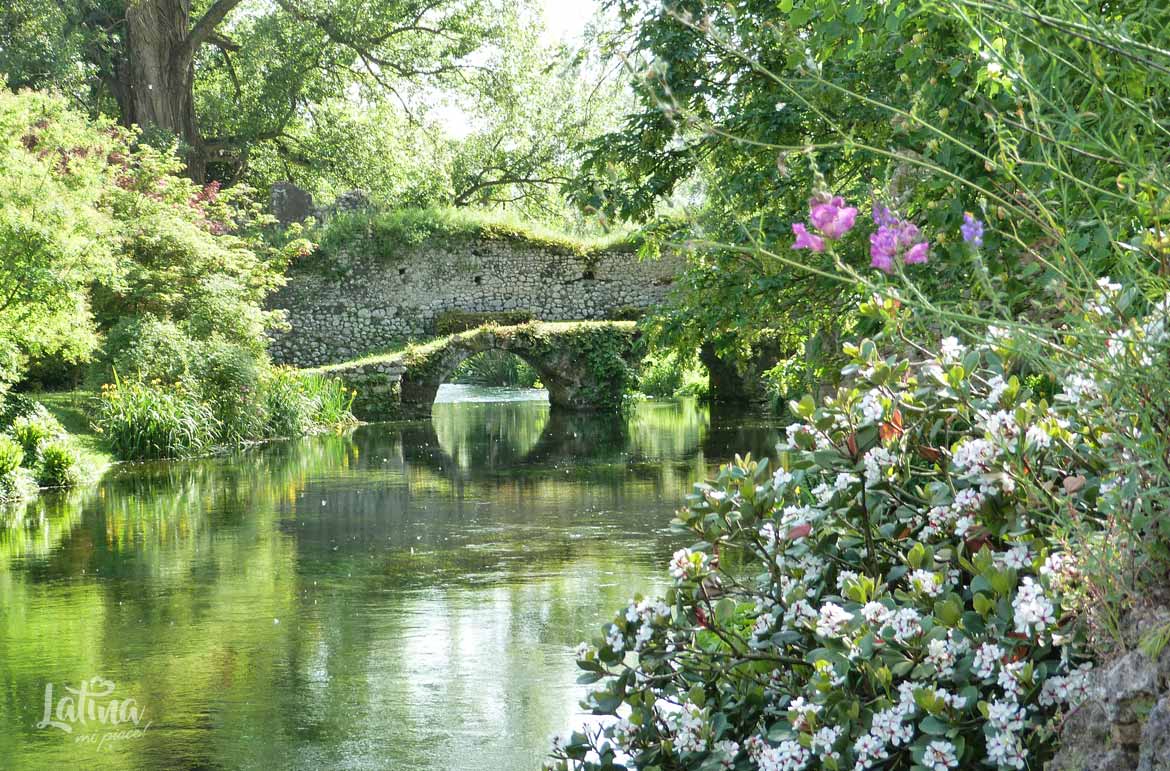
405	596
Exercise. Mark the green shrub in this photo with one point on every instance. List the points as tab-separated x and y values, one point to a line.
453	322
11	455
666	376
333	402
36	428
289	409
890	594
296	404
142	421
495	368
14	480
660	376
15	405
228	380
57	465
145	349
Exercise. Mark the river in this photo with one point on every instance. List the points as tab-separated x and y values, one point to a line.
403	596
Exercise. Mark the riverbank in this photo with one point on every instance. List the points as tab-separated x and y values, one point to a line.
74	410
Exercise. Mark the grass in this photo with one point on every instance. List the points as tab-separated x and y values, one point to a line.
74	411
386	233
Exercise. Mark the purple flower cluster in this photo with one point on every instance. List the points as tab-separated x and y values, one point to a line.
893	237
972	230
831	218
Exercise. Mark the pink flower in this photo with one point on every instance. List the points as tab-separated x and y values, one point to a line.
805	239
882	216
883	244
917	254
907	234
833	218
882	263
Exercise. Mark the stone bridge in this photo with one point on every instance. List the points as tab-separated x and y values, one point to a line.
585	365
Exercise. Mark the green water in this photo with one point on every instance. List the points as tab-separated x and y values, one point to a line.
405	596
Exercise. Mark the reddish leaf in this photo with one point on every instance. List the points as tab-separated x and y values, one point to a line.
800	531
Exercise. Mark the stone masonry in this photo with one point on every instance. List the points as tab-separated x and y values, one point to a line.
362	304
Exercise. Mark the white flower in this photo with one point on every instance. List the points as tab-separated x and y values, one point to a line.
962	525
582	649
939	756
952	350
871	407
987	657
1032	611
832	620
906	624
1077	388
615	639
824	739
877	460
1005	750
888	726
1006	715
926	582
789	756
729	750
939	654
781	479
690	730
974	456
686	562
875	613
995	388
1038	436
1009	679
1016	558
869	750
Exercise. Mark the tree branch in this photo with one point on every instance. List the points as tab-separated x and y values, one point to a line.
205	27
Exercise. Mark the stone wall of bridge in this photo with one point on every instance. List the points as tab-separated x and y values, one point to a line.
360	303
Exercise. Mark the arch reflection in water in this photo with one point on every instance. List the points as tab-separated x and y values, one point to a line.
405	596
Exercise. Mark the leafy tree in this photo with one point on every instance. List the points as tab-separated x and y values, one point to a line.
222	75
916	104
53	241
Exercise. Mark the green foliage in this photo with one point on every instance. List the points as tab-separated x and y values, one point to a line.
297	404
11	455
668	375
54	240
495	368
453	322
233	398
385	233
145	349
893	589
34	429
229	382
14	480
57	465
142	421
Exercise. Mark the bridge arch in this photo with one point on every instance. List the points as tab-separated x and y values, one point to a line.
585	365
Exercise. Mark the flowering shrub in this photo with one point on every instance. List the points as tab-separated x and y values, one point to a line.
887	596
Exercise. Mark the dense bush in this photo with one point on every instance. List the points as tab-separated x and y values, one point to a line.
889	595
35	428
143	420
57	465
234	401
667	375
495	368
14	480
145	348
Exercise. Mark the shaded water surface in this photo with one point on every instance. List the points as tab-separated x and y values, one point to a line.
406	596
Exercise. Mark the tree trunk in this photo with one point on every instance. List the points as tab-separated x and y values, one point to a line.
161	76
